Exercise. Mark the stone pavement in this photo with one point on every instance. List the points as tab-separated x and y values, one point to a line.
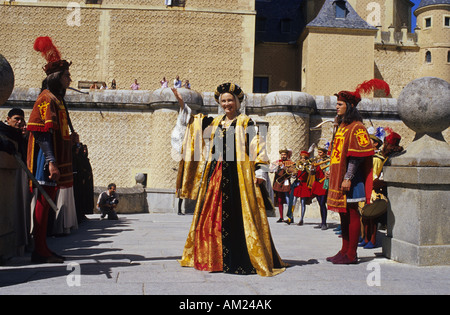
137	255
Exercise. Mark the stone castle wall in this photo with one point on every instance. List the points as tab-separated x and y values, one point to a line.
206	42
128	132
324	72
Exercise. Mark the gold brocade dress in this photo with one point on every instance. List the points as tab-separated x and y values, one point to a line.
229	231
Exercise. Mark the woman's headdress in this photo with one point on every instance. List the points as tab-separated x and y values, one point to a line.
229	88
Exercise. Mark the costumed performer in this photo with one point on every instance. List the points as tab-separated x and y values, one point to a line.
283	169
303	190
320	185
189	147
350	178
369	225
50	143
230	231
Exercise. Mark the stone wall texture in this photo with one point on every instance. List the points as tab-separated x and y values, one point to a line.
128	132
206	43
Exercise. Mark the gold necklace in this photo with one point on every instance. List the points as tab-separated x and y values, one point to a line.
227	122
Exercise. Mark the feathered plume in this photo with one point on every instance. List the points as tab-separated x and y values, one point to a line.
45	46
388	130
380	133
370	85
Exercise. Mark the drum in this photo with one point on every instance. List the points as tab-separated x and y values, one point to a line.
374	210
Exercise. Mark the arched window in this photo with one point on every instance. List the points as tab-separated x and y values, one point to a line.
448	56
428	57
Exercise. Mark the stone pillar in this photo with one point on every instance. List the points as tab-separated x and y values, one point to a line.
419	180
288	114
6	80
8	169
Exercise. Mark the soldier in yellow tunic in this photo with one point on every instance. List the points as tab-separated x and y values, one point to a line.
230	231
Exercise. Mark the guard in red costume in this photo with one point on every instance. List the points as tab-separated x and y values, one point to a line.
350	178
50	143
283	169
303	190
320	183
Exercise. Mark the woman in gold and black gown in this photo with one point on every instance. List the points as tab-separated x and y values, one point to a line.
230	232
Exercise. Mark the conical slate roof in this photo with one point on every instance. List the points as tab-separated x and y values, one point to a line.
425	3
327	17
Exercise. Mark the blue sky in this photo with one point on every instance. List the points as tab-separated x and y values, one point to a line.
413	19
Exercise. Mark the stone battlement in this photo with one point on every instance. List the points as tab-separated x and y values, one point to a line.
398	40
254	104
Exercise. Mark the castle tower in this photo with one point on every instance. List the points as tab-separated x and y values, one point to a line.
386	14
433	23
337	50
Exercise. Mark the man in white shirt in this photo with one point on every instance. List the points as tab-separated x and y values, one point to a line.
177	82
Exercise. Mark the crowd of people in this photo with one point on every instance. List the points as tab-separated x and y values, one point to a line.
103	85
344	177
177	83
308	178
304	179
229	231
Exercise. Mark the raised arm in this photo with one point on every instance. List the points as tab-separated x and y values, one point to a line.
178	97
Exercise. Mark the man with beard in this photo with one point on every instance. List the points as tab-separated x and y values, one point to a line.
283	169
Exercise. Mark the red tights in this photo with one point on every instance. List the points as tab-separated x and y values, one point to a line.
351	228
370	230
280	208
281	199
40	222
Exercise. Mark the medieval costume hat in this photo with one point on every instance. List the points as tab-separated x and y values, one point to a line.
51	54
304	153
392	138
229	88
376	139
380	133
354	98
325	147
284	151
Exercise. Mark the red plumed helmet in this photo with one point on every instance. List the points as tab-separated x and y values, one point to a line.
372	85
45	46
51	54
364	88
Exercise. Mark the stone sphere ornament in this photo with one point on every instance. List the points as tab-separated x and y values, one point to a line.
6	80
140	178
424	105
